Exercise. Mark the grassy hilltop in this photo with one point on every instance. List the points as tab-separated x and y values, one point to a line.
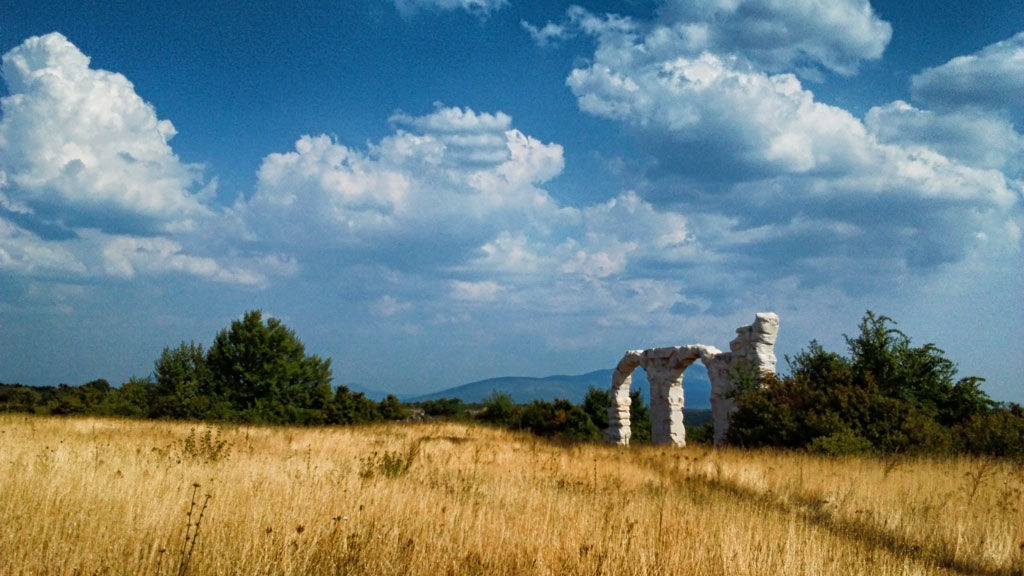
105	496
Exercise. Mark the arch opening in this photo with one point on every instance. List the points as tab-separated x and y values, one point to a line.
753	348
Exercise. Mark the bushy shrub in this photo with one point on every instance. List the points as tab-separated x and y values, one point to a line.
561	419
887	397
999	432
452	408
18	398
839	443
349	407
499	408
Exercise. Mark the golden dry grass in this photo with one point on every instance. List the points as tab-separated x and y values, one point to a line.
95	496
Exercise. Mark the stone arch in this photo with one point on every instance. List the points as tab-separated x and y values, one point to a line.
664	368
753	347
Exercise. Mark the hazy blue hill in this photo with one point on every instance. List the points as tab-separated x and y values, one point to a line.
525	389
573	388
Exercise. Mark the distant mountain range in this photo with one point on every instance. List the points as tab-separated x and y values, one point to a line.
573	388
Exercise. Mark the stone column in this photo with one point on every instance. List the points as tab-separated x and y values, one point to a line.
752	352
665	375
722	404
766	331
618	431
754	345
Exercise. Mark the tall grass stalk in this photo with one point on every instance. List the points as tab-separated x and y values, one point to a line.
92	496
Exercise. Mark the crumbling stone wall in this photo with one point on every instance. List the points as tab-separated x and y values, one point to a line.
751	352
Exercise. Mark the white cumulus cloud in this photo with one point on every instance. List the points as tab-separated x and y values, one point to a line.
778	184
439	180
126	256
78	145
779	34
991	78
805	36
90	183
972	136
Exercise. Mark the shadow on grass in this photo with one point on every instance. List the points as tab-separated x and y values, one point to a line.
815	511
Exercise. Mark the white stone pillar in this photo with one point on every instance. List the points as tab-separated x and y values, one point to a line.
619	431
665	375
722	404
752	353
766	331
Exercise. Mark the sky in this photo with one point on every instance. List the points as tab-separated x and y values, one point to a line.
440	191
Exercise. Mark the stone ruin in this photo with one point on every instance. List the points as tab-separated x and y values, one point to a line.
751	352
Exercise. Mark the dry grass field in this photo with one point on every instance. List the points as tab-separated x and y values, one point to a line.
94	496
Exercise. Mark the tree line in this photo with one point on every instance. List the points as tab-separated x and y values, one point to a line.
887	396
256	371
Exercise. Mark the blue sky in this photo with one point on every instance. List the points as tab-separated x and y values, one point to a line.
436	192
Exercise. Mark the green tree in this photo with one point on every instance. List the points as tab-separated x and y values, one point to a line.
820	367
888	396
639	419
19	398
498	408
95	396
560	418
184	384
882	356
391	409
134	399
347	407
261	369
596	404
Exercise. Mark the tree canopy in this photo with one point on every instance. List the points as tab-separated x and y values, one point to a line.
260	368
886	396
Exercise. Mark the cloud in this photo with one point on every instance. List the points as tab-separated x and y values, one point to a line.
482	291
387	306
628	229
125	256
975	137
450	212
614	258
686	108
992	78
777	35
547	35
89	184
441	183
801	35
481	8
25	253
80	147
776	184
